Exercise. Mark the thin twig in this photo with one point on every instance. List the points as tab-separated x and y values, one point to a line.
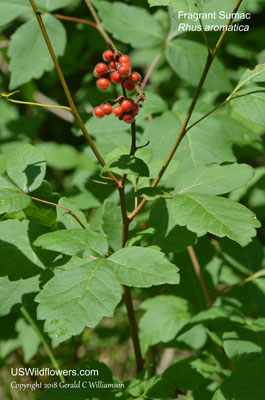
67	91
183	128
75	19
43	341
248	279
150	70
99	25
197	269
65	208
205	37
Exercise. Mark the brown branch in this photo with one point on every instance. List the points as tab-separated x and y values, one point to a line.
150	70
183	128
58	205
75	19
197	269
67	91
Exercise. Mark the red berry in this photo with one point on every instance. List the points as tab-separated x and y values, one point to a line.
103	83
100	69
98	112
118	111
129	85
124	70
135	108
124	59
126	105
135	77
115	77
112	65
128	118
108	55
107	109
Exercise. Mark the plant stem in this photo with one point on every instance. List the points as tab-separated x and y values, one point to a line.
183	128
30	103
133	143
67	91
98	23
43	341
197	269
205	37
150	70
65	208
75	19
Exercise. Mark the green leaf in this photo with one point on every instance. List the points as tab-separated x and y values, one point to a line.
183	5
26	167
19	260
181	375
11	9
245	383
66	220
250	102
203	213
28	339
11	199
176	240
77	298
153	193
59	156
143	267
153	104
28	52
112	223
187	58
253	75
14	293
52	5
127	164
246	339
130	24
74	242
163	319
214	179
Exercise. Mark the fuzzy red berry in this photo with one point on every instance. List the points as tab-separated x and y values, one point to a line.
128	118
103	83
129	85
126	105
118	111
108	55
100	69
107	109
135	108
115	77
98	112
124	70
112	65
135	77
124	59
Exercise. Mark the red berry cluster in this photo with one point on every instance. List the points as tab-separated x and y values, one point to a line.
118	71
126	110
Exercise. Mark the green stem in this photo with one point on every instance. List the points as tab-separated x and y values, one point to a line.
43	341
67	91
